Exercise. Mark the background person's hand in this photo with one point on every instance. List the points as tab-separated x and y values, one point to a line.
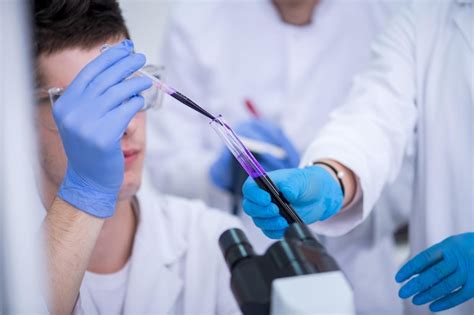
92	116
444	274
263	131
314	193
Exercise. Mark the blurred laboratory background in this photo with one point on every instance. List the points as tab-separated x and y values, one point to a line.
20	209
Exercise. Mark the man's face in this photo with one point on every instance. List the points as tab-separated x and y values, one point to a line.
58	70
296	12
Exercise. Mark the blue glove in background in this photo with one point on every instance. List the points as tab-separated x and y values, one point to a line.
92	116
263	131
314	193
444	274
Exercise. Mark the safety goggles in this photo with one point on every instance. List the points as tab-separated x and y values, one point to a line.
47	97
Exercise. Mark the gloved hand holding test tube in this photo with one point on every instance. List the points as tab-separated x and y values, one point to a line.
240	152
254	169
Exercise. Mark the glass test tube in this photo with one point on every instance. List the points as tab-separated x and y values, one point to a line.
254	169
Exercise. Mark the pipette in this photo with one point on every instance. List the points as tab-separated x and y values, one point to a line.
169	90
176	95
254	169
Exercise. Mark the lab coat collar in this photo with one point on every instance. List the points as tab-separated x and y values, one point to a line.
463	18
171	243
155	281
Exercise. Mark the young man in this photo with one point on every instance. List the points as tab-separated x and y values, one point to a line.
113	245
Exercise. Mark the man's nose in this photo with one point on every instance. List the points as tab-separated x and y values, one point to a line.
132	126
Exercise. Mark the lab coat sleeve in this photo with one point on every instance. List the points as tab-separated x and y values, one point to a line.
180	146
370	132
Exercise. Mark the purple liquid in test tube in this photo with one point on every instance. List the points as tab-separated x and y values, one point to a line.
254	169
253	172
237	148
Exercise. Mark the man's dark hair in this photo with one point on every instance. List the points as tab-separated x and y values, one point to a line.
62	24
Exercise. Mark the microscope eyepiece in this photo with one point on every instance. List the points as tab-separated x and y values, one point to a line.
235	247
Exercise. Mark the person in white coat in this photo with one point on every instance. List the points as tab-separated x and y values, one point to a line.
113	244
294	64
421	78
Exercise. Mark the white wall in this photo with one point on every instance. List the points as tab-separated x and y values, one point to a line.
20	210
146	21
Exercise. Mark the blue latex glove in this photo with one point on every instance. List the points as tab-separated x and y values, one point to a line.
444	274
314	193
263	131
92	115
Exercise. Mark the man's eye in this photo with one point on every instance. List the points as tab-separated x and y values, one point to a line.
43	101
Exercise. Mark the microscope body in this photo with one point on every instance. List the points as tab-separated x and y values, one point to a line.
294	276
326	293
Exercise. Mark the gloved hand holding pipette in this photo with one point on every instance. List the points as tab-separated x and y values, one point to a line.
264	132
313	192
92	115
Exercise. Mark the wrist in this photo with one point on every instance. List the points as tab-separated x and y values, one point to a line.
344	176
67	218
77	192
336	174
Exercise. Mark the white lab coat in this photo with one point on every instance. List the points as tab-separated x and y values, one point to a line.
421	76
176	266
220	53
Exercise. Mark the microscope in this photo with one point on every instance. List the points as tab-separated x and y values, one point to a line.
294	276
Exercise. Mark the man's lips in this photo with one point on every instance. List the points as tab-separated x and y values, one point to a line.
130	156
